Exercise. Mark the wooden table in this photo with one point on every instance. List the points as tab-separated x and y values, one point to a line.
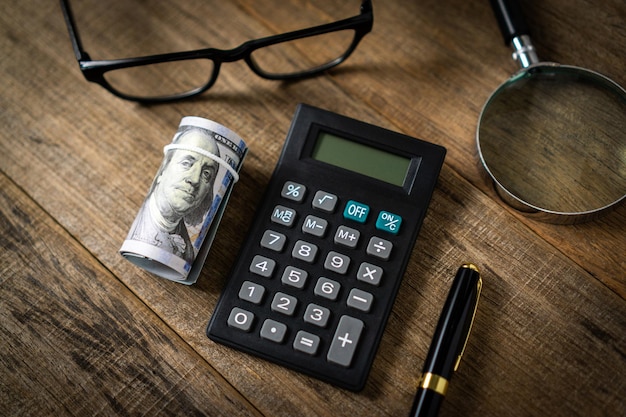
84	332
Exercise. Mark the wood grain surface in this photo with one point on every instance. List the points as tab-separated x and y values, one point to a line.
84	332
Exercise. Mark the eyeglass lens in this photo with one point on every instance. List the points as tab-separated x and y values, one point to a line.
164	79
302	55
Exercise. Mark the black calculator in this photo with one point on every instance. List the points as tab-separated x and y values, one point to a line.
317	276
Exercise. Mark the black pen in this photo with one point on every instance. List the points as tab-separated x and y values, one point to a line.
449	341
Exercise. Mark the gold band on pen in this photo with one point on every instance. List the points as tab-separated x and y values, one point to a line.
434	382
470	265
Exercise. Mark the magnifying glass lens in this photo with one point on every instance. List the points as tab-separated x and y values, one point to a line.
555	138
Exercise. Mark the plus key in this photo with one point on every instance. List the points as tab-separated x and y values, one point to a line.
345	341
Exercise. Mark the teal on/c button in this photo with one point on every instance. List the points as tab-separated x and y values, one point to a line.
356	211
389	222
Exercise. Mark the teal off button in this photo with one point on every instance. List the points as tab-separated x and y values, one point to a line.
388	222
356	211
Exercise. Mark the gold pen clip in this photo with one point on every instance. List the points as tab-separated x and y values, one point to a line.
479	289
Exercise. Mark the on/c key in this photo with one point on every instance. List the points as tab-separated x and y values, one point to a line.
389	222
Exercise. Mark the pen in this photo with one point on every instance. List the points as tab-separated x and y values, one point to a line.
449	341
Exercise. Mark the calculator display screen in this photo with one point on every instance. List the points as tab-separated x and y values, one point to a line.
360	158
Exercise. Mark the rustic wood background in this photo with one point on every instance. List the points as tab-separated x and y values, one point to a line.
84	332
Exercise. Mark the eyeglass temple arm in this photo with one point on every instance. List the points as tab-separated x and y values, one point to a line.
366	6
81	55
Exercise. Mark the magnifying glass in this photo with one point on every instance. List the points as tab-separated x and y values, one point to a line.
553	137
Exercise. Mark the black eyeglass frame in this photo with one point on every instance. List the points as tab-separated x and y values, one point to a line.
94	70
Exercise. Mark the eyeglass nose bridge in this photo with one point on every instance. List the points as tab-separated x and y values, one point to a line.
218	57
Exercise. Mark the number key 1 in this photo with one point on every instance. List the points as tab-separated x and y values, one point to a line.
251	292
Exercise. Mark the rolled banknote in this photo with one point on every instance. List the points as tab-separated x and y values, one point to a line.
177	221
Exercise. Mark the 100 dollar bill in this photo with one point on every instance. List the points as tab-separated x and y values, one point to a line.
177	221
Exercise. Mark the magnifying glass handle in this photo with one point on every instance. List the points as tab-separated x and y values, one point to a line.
515	31
510	19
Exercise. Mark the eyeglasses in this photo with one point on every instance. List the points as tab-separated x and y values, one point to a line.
174	76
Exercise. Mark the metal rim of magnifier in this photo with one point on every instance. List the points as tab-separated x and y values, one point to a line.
518	202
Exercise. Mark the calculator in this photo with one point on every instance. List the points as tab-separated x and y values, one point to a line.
317	275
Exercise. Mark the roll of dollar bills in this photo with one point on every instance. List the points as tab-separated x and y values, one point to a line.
177	221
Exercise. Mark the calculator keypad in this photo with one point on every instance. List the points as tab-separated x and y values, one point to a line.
342	345
313	280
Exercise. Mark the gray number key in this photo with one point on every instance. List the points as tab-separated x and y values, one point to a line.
337	262
284	304
327	288
263	266
304	251
273	240
240	319
294	277
251	292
